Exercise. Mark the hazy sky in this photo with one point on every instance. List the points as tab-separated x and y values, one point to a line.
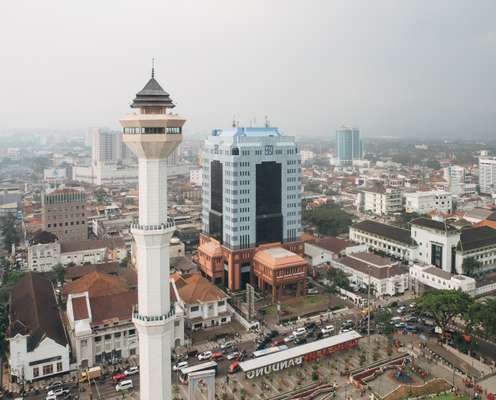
392	67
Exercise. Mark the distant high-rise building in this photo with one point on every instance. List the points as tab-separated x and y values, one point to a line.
348	145
63	214
107	146
251	196
487	175
455	178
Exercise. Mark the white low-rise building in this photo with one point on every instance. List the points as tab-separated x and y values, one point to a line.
99	314
38	345
204	304
381	200
387	277
426	202
427	276
326	249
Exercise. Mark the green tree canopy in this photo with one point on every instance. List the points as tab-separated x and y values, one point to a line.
337	278
329	219
58	272
444	305
8	230
383	321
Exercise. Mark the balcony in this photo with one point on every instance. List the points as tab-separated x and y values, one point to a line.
165	226
153	318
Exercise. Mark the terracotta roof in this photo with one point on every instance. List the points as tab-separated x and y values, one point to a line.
97	284
80	308
34	312
333	244
211	248
194	289
79	271
374	259
278	257
78	245
117	306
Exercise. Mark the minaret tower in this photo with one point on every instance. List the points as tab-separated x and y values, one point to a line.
152	133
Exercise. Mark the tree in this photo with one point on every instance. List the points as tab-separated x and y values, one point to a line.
444	306
58	271
383	321
100	195
329	219
8	230
471	266
337	278
487	318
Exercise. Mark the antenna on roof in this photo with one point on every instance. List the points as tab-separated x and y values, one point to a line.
234	121
153	67
267	122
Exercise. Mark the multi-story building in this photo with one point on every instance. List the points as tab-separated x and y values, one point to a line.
487	175
204	305
348	145
431	242
425	277
106	145
380	200
385	276
454	175
251	196
426	202
38	346
95	300
63	214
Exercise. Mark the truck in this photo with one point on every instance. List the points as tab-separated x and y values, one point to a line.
91	374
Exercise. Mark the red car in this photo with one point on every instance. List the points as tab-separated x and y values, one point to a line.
234	367
118	377
277	342
217	355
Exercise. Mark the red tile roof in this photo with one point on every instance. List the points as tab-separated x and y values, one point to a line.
97	284
79	308
194	289
117	307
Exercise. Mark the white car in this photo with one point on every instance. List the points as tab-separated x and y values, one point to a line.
124	385
206	355
327	329
289	338
344	330
131	371
180	365
58	392
312	291
299	332
227	345
234	355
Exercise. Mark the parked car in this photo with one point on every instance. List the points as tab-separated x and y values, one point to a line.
299	332
312	291
344	330
131	371
272	334
300	340
347	324
217	355
277	342
289	338
124	385
328	329
118	377
234	367
54	385
227	345
180	365
401	309
233	356
58	392
206	355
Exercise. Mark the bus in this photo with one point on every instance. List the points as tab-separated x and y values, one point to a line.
269	350
184	373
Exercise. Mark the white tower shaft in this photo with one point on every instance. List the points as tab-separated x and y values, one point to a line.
152	135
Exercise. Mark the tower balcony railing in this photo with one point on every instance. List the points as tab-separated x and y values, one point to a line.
153	318
156	227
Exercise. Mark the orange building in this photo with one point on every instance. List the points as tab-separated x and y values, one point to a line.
233	268
280	269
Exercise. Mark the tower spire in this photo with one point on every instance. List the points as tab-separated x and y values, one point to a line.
153	67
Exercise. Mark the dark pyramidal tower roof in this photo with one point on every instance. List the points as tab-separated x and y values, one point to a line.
152	95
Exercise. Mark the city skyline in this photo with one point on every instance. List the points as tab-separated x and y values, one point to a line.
409	70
